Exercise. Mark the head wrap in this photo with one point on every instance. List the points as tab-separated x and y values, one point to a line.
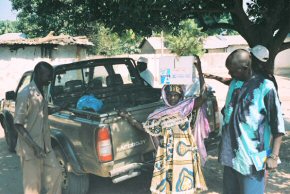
174	88
184	107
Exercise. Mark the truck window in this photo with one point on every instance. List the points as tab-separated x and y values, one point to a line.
124	72
64	77
69	81
24	82
100	73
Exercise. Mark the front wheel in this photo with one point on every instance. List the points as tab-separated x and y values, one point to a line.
72	183
10	135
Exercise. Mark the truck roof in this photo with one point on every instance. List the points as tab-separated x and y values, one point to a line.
89	62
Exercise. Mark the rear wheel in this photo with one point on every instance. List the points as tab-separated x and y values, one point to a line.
72	183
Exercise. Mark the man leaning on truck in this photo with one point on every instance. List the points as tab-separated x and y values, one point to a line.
38	160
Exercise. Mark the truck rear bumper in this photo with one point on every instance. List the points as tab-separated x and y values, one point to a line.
126	172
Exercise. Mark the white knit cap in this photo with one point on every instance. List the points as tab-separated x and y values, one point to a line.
143	59
260	52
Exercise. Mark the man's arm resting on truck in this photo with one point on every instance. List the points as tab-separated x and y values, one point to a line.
39	152
135	123
131	120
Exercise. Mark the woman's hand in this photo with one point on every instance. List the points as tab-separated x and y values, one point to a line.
197	63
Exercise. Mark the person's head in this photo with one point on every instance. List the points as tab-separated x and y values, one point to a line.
42	73
173	94
142	64
260	53
260	56
239	64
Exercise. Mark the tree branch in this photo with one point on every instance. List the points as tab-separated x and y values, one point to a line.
274	18
244	26
282	33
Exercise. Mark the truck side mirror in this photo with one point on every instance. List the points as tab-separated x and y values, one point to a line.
11	95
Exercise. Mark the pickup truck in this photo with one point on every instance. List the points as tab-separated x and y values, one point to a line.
99	143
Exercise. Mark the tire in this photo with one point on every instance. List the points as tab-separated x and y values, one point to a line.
72	183
10	135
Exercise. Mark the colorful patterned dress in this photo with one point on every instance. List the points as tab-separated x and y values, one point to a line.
177	166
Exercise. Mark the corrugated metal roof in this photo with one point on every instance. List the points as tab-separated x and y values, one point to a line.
214	42
235	40
50	39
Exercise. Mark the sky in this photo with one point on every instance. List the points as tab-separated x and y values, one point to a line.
6	12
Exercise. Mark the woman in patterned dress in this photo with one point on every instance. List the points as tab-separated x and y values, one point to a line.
177	167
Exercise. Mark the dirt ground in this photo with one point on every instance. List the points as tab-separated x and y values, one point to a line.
278	181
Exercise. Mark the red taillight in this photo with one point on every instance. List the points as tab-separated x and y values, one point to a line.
104	146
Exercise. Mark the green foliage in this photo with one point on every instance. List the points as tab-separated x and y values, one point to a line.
266	22
107	43
130	42
8	27
187	41
38	17
110	43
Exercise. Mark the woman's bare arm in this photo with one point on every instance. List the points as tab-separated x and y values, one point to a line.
201	99
131	120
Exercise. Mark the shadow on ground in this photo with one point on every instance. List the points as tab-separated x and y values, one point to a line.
10	173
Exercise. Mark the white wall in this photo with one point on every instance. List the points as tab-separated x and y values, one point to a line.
13	63
213	63
282	63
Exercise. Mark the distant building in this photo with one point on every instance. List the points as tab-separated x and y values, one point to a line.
153	45
222	44
215	44
212	44
235	42
19	54
51	48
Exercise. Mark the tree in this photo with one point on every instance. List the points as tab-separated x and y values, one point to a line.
188	40
265	22
38	18
8	27
130	42
107	43
110	43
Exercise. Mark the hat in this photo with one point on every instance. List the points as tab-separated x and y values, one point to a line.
260	52
143	60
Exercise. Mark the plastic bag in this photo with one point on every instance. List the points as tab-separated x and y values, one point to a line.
192	89
89	102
